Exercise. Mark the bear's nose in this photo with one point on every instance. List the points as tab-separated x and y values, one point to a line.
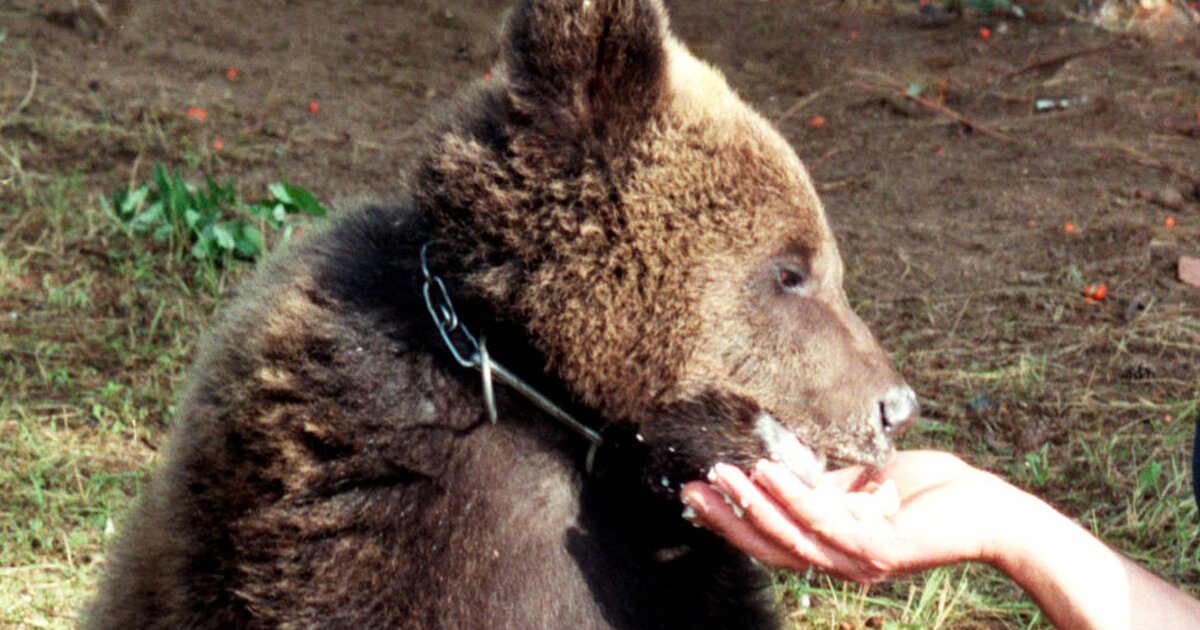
897	407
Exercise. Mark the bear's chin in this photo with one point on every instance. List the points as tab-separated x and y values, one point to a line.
681	442
781	445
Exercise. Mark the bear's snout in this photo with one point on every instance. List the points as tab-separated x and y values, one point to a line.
898	407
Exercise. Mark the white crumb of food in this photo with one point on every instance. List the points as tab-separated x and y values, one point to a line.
666	483
689	513
640	438
737	510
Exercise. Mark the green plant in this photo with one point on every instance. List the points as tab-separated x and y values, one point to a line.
210	222
1037	465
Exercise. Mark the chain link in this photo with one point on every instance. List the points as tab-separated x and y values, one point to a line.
471	352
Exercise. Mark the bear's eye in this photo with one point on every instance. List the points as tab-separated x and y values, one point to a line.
791	279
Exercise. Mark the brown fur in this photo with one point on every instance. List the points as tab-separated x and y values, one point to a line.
615	219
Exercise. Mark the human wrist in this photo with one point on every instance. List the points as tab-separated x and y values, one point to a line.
1020	524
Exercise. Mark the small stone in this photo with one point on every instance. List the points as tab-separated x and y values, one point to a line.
1189	271
1169	198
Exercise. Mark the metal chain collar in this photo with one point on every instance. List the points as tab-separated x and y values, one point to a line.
471	352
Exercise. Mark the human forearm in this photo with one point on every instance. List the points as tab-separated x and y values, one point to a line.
1079	582
948	512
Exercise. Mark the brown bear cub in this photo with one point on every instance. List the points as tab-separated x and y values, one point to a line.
621	232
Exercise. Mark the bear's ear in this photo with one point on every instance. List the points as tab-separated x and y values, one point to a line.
586	67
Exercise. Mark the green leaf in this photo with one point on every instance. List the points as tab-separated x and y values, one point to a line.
164	189
280	193
249	242
205	248
191	218
183	197
152	215
130	200
298	198
162	234
106	207
1149	476
223	234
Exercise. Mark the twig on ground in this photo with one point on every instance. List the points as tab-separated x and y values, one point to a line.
931	104
1056	60
1143	158
101	13
824	156
803	102
28	98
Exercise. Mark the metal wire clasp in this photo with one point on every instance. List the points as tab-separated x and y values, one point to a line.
471	352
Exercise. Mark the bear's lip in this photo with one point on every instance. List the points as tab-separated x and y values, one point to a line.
782	445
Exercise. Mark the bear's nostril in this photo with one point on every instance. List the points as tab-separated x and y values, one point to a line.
897	407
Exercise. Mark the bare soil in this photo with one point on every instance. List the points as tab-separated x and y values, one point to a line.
951	206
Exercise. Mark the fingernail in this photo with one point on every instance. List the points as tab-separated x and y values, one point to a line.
760	467
712	474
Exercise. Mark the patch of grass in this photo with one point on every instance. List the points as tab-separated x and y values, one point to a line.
97	327
967	596
209	222
64	486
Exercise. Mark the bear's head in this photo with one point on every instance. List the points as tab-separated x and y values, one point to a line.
658	242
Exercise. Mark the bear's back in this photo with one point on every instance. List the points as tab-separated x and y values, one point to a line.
332	467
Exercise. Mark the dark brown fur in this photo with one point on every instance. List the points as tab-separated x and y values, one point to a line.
614	219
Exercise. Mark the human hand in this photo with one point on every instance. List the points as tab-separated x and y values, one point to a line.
924	509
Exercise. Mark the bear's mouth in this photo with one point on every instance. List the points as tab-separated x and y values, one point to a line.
781	445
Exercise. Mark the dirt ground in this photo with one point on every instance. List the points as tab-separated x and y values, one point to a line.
950	191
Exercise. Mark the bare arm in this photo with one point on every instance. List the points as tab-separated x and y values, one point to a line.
933	509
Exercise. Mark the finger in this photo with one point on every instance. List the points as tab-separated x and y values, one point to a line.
776	523
714	514
850	479
827	515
